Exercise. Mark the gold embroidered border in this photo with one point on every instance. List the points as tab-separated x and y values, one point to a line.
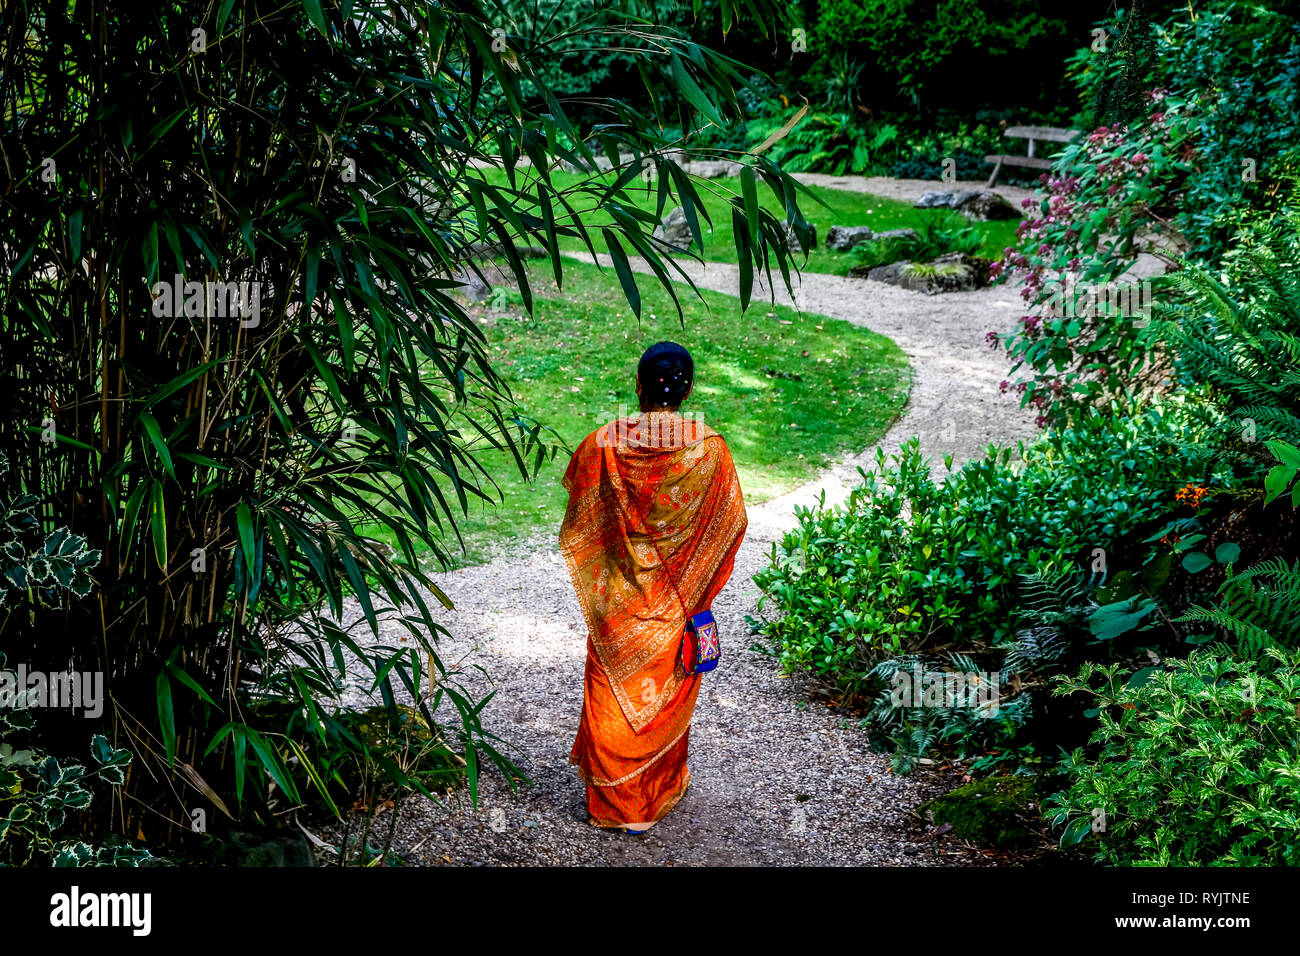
587	779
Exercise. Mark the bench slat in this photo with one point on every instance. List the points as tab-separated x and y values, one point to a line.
1053	134
1031	161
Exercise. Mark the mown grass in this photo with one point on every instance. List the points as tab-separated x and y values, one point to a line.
790	393
836	207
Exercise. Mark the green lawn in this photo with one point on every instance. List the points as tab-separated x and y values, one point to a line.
789	393
840	208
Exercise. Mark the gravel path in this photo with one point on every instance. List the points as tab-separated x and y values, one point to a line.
778	778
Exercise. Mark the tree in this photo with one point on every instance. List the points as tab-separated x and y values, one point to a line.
231	342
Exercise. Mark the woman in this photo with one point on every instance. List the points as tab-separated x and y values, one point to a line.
654	520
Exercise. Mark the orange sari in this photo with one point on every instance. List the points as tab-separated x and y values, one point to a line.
638	701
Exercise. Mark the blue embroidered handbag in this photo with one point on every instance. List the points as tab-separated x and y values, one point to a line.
700	646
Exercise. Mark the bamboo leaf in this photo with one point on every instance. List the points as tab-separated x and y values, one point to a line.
624	271
166	716
159	442
244	528
316	15
158	522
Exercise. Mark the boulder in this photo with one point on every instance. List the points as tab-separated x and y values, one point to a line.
844	238
712	168
674	230
955	272
997	811
895	234
985	204
935	199
472	285
976	267
891	273
982	204
792	241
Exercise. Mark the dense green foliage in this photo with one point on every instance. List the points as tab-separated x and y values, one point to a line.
1206	157
226	457
909	565
38	792
887	81
916	49
1197	764
1234	334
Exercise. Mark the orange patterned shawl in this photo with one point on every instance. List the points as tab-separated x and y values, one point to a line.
678	473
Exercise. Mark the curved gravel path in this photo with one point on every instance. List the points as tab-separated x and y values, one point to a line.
777	777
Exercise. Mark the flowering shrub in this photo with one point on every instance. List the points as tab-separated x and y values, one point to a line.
1210	153
1105	202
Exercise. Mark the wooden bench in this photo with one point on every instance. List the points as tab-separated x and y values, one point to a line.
1049	134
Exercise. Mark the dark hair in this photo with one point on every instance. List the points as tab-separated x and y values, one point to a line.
666	371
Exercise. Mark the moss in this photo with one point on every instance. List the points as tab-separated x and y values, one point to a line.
997	811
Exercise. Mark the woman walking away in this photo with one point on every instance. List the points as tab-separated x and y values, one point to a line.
654	520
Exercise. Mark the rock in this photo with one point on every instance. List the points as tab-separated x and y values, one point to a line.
981	204
792	241
674	230
934	199
472	286
844	238
955	272
895	234
890	273
712	168
985	204
998	811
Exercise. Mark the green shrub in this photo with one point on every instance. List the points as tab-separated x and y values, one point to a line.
966	144
908	564
916	47
1197	765
38	794
1260	606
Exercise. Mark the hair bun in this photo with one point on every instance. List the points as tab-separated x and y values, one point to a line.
671	365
